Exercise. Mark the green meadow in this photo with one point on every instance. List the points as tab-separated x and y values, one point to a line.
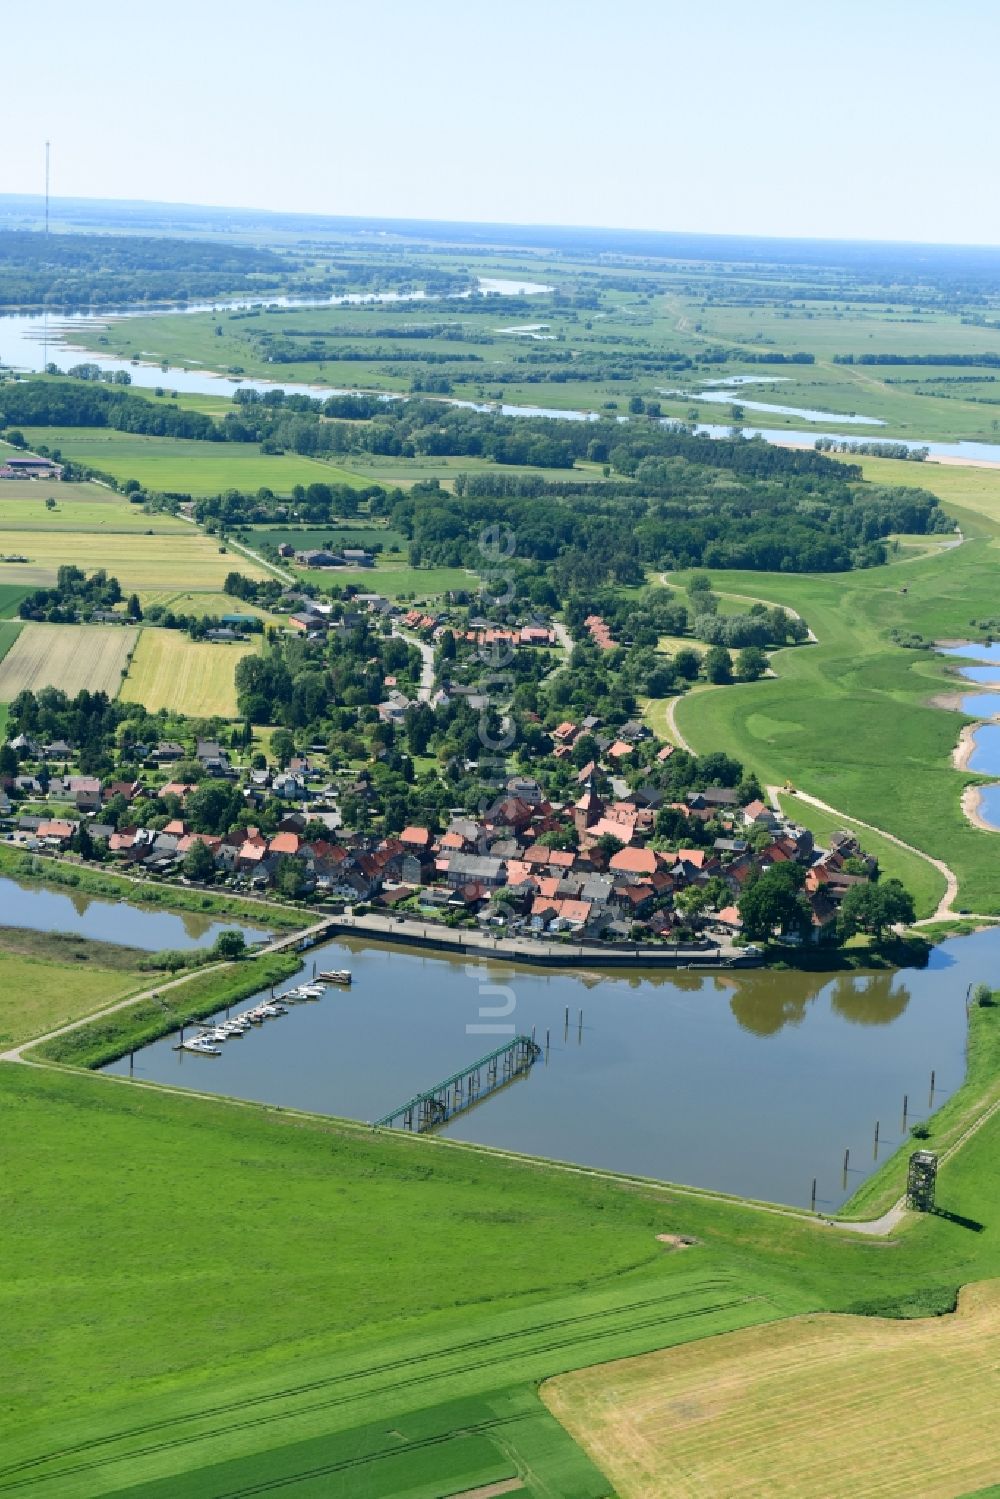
183	466
851	720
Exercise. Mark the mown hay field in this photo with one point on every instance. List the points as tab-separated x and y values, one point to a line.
187	560
70	657
809	1407
170	670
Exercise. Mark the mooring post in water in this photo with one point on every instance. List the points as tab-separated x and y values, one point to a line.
933	1076
547	1034
876	1139
131	1061
906	1109
532	1034
182	1035
813	1205
847	1157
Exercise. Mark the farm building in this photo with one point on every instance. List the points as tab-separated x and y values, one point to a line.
30	468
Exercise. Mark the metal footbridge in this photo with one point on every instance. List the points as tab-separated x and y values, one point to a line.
464	1089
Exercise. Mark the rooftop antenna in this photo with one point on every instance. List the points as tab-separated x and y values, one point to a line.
45	319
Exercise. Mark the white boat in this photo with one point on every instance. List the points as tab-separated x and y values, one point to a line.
313	991
202	1046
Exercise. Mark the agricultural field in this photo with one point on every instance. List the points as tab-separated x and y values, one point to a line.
333	537
194	678
798	1410
183	560
70	657
24	506
182	466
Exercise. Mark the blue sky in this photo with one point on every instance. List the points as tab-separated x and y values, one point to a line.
871	120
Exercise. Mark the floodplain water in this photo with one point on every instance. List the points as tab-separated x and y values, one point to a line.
751	1081
42	909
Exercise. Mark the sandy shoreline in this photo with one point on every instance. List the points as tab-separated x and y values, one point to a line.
962	752
971	799
962	462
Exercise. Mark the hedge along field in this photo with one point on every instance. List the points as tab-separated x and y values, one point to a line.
70	657
183	560
185	466
195	678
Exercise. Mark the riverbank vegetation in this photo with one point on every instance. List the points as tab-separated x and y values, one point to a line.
175	1003
68	874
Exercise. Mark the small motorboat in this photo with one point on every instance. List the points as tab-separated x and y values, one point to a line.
337	976
202	1046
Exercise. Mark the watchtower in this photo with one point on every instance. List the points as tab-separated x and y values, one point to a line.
921	1180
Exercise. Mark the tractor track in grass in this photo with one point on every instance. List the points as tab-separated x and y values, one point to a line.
24	1474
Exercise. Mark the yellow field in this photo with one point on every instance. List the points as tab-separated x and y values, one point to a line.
71	657
806	1408
170	670
188	561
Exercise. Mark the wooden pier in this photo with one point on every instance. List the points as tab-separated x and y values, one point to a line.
463	1090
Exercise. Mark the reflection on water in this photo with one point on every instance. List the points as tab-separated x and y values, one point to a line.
751	1082
764	1007
44	910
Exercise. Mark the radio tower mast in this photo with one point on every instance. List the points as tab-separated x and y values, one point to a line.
45	319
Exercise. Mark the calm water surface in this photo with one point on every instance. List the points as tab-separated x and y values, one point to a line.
45	910
746	1082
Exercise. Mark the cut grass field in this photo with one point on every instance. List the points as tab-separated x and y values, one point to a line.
183	466
70	657
185	559
195	678
40	990
813	1407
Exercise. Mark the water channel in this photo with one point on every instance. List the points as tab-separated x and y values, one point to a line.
42	909
984	756
749	1082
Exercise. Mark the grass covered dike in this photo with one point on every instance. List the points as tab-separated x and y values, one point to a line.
105	1038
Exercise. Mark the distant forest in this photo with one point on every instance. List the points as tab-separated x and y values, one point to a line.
104	270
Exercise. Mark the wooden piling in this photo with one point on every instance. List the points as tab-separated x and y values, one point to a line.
906	1109
813	1203
847	1157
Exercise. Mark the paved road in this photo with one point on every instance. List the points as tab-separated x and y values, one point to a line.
426	664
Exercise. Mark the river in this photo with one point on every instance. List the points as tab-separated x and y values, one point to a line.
43	909
984	757
750	1082
26	337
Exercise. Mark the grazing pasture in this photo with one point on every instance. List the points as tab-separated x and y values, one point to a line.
811	1407
196	678
70	657
184	560
185	466
78	507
